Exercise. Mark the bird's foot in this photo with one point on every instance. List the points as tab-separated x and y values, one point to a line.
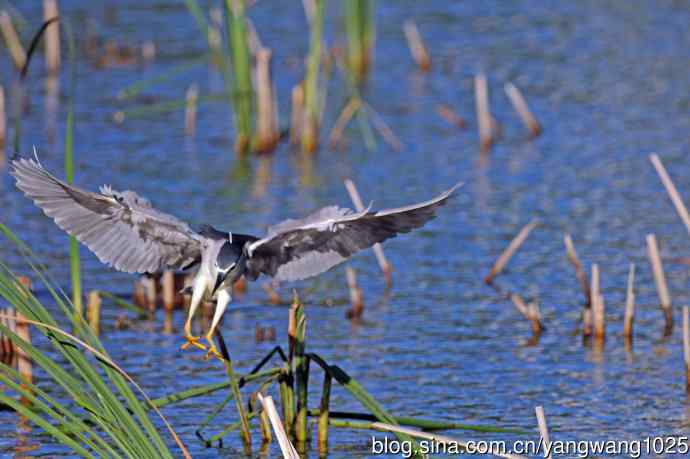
193	341
213	352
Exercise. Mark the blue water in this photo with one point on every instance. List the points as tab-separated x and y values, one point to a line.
608	81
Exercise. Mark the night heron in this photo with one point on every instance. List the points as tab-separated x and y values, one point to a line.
127	233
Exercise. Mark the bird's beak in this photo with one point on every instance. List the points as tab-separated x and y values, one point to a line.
220	277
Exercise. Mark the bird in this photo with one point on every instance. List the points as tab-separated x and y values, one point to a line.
127	233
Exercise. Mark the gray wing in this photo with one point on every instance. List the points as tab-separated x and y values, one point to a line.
121	228
298	249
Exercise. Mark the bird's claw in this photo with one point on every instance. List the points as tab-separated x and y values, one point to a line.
213	352
193	341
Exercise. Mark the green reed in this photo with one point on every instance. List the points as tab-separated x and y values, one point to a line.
242	92
312	102
360	31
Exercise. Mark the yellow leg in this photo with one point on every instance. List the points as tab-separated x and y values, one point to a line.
221	304
197	295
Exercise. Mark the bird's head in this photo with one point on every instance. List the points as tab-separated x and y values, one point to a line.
226	263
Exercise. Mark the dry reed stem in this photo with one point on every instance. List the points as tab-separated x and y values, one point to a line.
289	451
377	248
543	429
12	40
3	119
630	304
149	285
93	311
355	295
508	253
266	128
686	346
52	36
5	343
579	272
24	365
168	287
522	109
416	44
450	116
441	439
297	113
384	129
191	98
660	282
594	311
343	119
529	311
671	190
484	119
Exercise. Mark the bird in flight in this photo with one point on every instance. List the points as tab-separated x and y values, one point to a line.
127	233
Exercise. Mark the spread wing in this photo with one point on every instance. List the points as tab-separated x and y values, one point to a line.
297	249
121	228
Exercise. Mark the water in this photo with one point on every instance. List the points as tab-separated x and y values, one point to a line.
607	80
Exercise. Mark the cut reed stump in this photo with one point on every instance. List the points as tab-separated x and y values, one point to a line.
24	365
385	266
168	290
12	40
508	253
52	36
671	190
484	119
523	111
543	429
416	44
267	135
660	282
93	311
356	297
597	309
297	113
629	306
686	346
584	284
191	98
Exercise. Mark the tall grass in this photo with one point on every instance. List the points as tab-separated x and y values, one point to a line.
92	406
242	92
360	31
312	103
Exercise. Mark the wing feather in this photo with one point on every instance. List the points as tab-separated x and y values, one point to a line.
298	249
121	228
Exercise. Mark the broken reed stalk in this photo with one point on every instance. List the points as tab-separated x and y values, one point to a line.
12	40
416	44
3	121
584	283
481	95
191	98
168	288
530	312
629	305
24	365
267	135
450	116
384	129
508	253
343	119
241	96
52	36
660	282
377	248
311	119
355	295
93	311
543	429
359	28
671	190
324	414
522	109
596	310
297	113
289	451
686	346
301	369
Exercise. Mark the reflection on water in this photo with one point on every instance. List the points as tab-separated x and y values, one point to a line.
609	83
